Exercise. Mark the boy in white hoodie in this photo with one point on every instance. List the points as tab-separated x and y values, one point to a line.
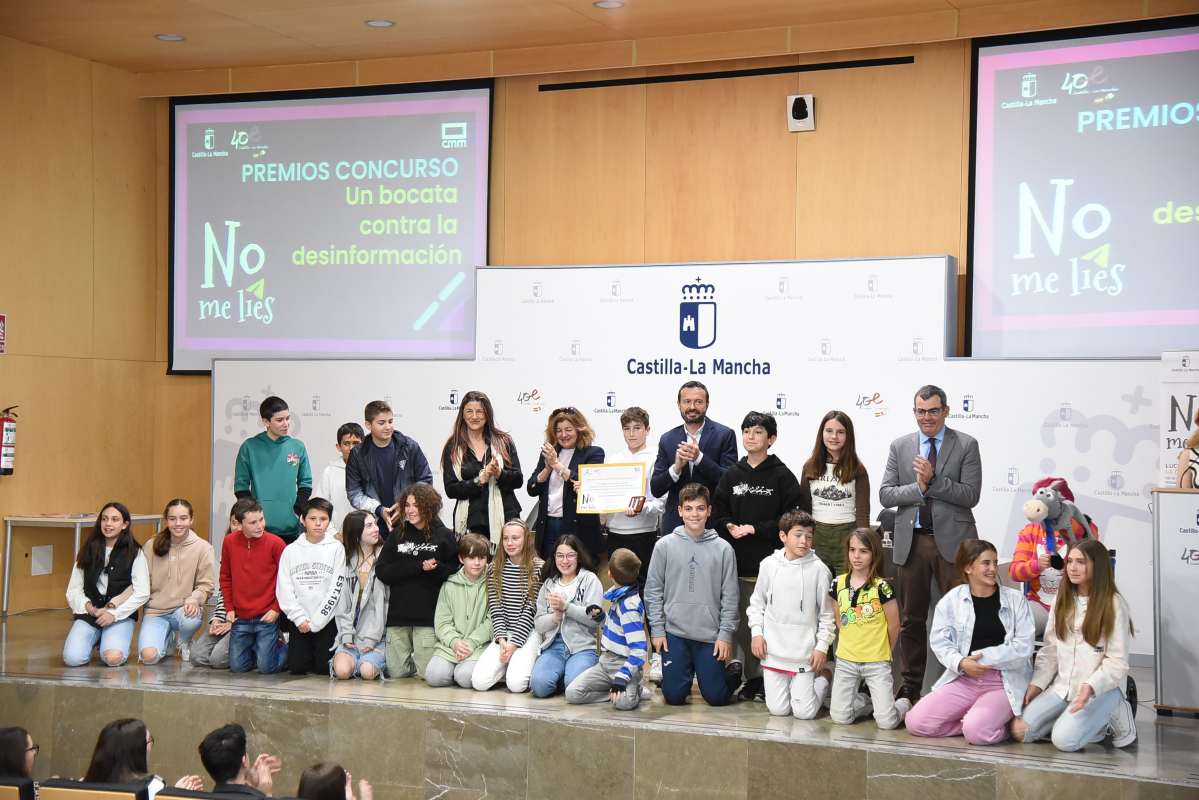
311	580
792	622
332	485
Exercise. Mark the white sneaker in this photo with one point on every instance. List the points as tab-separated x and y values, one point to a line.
1123	726
655	667
903	706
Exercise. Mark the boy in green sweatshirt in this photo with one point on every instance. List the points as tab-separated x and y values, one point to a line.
273	469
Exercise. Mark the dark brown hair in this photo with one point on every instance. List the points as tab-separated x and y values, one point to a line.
458	443
162	539
694	491
848	466
120	754
92	551
322	782
796	519
549	569
969	551
374	408
428	505
634	414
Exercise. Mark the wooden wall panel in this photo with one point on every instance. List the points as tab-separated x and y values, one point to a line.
574	174
181	463
882	173
46	208
720	170
124	298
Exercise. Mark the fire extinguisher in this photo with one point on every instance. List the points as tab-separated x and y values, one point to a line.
8	442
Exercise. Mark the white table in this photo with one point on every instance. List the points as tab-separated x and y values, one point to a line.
76	521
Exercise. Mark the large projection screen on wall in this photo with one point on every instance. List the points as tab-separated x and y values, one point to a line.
1085	224
328	225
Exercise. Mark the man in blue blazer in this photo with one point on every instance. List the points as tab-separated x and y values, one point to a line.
698	451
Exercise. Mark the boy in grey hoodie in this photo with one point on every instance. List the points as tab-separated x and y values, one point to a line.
691	603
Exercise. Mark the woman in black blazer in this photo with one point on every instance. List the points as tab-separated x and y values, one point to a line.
568	443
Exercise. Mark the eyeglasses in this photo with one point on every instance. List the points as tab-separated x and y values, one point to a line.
34	749
572	556
928	412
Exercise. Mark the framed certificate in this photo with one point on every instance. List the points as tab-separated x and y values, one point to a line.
608	488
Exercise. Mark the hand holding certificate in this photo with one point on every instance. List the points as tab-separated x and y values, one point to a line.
609	488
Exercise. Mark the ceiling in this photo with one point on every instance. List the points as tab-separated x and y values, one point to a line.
233	33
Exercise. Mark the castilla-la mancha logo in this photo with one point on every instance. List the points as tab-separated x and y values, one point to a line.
697	315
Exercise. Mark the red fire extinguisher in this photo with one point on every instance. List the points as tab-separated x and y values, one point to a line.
8	441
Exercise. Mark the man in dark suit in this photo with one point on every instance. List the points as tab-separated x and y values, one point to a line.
933	480
698	451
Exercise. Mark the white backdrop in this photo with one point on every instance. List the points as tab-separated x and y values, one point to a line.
858	336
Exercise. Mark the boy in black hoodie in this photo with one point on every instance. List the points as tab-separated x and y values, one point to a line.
418	556
749	500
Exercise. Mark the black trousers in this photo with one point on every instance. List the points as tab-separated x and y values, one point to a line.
310	652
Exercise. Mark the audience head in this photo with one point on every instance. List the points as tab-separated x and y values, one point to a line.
324	782
223	752
122	753
111	529
931	407
419	505
276	416
864	551
17	753
567	429
835	444
570	556
693	402
624	566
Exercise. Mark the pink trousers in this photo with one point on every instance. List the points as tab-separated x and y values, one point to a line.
976	708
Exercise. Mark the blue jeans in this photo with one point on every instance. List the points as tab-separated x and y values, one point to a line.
686	659
253	642
158	632
1047	715
82	639
554	663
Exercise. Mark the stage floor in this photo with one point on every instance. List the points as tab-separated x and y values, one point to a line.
1164	763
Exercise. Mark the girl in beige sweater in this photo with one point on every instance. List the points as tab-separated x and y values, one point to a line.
181	578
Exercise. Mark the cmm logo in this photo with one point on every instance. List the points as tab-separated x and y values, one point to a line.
453	135
697	315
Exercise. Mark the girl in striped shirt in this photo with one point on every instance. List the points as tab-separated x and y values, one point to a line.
512	585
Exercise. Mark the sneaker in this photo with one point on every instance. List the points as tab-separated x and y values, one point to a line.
1123	725
902	707
732	675
655	668
753	689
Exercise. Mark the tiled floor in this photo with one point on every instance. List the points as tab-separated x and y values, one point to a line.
1167	749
